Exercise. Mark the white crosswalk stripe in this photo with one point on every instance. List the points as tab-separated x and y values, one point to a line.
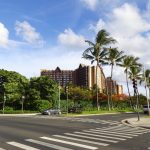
81	140
48	144
109	134
69	143
22	146
92	138
109	137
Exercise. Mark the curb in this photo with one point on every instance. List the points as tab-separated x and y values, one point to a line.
128	123
15	115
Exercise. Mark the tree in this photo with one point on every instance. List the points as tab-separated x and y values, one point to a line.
43	88
96	51
114	57
146	79
127	63
135	75
11	88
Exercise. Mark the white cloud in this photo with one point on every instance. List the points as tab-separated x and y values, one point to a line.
129	26
28	33
4	36
90	4
70	39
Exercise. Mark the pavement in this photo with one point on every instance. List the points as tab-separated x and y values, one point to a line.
144	122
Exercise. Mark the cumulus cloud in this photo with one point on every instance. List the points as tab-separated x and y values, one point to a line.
28	33
70	39
90	4
131	29
4	36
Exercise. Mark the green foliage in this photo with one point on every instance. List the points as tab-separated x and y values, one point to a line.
41	105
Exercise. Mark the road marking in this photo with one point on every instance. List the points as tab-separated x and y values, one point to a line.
109	137
70	143
149	148
22	146
93	138
87	141
48	144
113	132
2	149
108	134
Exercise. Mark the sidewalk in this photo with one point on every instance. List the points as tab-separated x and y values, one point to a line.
144	122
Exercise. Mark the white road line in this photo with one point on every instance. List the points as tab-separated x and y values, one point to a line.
109	137
2	149
22	146
69	143
87	141
48	144
112	134
117	128
93	138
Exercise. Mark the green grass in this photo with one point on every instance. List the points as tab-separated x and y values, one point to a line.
98	112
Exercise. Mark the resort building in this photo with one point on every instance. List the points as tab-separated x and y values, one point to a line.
61	76
113	87
86	76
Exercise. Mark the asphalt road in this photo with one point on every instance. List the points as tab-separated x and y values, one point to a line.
103	132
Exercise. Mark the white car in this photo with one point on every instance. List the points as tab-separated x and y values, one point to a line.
145	109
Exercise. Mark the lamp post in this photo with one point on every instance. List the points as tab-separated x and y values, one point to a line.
59	96
4	103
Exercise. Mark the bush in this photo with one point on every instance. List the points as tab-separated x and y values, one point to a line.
41	105
7	108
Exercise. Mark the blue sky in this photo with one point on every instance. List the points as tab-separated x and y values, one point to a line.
44	34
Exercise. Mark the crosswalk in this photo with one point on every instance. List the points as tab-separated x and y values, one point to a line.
90	139
77	119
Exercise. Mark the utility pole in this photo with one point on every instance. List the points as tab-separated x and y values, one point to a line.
22	102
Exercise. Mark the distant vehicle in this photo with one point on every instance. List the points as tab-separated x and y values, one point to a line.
145	109
51	111
75	109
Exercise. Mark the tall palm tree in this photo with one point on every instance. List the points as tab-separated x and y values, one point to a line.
135	75
146	79
96	51
127	63
113	58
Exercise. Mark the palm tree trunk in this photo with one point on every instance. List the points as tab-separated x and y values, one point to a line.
108	100
111	88
147	100
131	103
97	86
137	103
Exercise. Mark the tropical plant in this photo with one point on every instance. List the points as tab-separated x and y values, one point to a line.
146	79
97	52
135	75
127	63
113	58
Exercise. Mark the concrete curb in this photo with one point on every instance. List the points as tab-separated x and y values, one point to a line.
15	115
129	123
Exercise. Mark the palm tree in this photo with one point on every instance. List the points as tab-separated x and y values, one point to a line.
127	63
135	75
96	52
113	58
146	79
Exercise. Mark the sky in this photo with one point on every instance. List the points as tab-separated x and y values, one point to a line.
44	34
